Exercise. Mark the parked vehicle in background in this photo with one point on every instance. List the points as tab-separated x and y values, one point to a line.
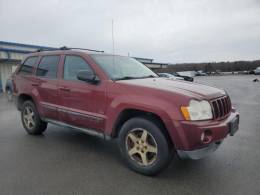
257	71
186	78
200	73
9	89
170	76
218	72
251	72
112	96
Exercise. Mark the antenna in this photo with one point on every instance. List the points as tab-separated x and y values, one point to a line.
113	43
113	39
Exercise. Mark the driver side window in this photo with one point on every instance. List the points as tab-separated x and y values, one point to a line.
72	65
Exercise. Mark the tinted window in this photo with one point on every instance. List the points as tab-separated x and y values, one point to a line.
48	67
72	65
27	66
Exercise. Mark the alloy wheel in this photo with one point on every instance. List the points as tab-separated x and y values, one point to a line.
141	147
29	117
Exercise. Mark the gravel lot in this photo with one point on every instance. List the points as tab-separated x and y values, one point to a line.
64	161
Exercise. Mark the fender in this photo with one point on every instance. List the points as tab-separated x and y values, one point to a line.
167	111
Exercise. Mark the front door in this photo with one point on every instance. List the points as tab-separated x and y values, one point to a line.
82	103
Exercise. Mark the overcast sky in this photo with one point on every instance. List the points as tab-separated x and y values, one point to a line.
165	30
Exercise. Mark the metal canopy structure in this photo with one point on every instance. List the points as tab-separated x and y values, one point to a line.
11	55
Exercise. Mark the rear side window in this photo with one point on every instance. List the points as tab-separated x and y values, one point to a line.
72	65
48	67
28	65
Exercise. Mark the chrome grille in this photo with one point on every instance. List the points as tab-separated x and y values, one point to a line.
221	107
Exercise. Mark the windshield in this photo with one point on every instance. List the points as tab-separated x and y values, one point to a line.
122	67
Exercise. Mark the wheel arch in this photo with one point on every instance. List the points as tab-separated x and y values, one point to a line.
22	98
129	113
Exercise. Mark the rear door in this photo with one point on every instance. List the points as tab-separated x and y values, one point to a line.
24	78
47	86
83	104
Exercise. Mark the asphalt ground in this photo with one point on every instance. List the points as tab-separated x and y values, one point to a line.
63	161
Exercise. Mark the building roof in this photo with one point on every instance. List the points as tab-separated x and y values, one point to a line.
10	51
144	60
20	47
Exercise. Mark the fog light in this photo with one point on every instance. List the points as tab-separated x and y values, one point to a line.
206	137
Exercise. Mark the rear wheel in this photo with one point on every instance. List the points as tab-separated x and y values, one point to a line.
144	146
31	119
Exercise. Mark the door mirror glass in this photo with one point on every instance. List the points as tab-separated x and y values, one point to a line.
87	76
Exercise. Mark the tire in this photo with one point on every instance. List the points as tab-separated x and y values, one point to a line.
157	151
31	120
9	95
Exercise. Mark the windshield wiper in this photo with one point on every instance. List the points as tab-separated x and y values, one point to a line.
125	78
130	77
148	76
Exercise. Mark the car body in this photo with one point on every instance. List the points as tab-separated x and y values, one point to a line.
117	97
257	71
170	76
186	78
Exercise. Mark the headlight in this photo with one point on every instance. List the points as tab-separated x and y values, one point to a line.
197	110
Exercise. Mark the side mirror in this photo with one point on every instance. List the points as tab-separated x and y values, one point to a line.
87	76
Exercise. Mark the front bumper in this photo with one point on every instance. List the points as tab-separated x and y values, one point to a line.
190	144
199	153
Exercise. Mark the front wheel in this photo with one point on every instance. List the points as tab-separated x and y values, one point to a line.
144	146
31	120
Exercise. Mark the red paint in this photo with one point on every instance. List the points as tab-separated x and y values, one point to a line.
99	106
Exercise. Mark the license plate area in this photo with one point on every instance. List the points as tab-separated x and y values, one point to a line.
233	126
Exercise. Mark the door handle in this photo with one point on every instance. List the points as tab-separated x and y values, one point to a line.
35	84
64	89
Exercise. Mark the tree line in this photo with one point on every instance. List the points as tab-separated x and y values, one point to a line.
213	66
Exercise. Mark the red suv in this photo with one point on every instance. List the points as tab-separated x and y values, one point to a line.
113	96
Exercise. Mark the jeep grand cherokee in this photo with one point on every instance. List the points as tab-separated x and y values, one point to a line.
112	96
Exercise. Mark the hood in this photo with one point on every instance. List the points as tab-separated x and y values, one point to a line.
190	89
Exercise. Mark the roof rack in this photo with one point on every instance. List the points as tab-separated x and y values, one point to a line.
67	48
44	49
